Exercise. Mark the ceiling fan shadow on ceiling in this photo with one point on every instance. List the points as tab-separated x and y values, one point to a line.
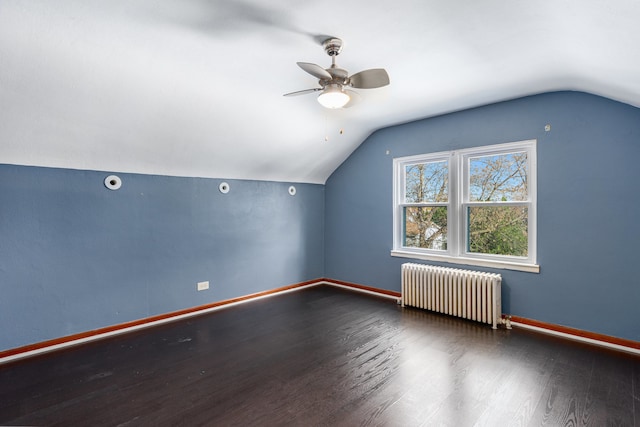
334	81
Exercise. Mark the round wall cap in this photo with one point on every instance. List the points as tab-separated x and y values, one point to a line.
113	182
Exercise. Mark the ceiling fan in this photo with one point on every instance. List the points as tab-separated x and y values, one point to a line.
334	81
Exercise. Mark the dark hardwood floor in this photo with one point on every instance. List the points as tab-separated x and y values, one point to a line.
324	356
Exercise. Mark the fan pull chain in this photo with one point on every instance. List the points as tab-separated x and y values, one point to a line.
326	134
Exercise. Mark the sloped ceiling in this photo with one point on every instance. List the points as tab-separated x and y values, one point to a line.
194	87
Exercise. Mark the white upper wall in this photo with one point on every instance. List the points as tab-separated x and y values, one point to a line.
194	87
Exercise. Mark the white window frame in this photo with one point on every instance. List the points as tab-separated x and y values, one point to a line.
457	204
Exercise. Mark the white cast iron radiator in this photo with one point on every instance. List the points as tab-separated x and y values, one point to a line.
473	295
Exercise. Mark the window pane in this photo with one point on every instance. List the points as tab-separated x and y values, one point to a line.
425	227
498	230
498	178
427	182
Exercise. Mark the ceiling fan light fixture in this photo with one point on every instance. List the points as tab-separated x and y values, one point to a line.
333	97
336	83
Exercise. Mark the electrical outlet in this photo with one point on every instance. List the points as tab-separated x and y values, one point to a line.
202	286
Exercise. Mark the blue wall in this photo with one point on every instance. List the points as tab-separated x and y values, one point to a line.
588	206
75	256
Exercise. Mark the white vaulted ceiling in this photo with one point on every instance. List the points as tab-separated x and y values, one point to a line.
194	87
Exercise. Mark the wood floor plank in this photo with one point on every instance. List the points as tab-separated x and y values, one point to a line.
323	356
610	394
519	392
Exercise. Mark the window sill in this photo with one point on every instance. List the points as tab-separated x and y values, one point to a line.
529	268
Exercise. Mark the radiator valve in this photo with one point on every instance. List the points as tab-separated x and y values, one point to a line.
506	321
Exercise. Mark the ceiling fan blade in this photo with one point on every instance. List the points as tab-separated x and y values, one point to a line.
370	79
354	98
315	70
302	92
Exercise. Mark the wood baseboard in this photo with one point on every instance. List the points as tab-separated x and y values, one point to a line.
367	289
615	343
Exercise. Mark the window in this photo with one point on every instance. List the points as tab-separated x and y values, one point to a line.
474	206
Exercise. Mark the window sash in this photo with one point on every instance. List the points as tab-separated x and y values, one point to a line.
468	159
468	228
426	235
426	160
